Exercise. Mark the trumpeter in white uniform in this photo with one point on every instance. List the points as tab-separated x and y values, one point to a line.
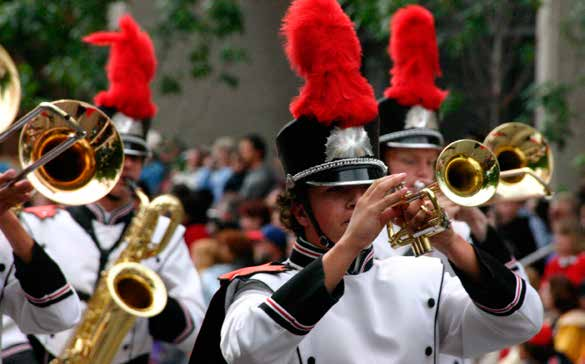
85	240
331	302
34	293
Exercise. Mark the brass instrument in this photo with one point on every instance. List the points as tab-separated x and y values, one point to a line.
467	173
513	163
127	289
526	162
69	150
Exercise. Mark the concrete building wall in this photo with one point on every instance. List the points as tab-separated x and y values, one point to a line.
560	61
206	108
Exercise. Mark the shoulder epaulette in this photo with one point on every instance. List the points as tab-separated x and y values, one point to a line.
248	271
43	212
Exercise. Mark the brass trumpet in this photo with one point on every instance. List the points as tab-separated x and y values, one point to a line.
513	163
69	150
467	173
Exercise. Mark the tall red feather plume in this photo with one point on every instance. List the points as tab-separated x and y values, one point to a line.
413	49
131	67
323	48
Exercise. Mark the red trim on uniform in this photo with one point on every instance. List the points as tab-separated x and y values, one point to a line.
49	297
264	268
512	304
43	212
287	316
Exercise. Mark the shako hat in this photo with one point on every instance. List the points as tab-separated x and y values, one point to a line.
408	111
333	139
130	69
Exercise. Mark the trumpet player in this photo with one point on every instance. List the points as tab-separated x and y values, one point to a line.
33	292
410	139
87	239
331	302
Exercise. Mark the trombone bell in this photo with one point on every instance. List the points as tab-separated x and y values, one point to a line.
70	170
525	161
88	169
9	90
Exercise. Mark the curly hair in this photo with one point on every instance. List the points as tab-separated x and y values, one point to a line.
285	202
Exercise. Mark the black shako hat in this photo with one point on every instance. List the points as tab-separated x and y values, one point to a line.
333	139
408	111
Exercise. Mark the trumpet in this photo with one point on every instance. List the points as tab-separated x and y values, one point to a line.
69	150
513	163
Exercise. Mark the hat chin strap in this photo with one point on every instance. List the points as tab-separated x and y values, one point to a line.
323	239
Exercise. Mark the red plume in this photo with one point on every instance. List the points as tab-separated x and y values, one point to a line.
413	49
130	69
323	48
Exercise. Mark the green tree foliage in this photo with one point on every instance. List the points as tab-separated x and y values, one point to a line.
207	26
44	39
486	49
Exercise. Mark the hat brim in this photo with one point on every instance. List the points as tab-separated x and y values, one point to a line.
346	176
135	147
413	145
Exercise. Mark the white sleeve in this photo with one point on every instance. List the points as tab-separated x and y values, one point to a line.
249	335
38	297
181	320
469	328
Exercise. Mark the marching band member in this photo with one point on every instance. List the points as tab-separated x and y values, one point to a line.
85	240
34	293
410	139
331	302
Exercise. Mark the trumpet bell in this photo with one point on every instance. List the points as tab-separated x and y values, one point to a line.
85	172
467	172
9	90
520	147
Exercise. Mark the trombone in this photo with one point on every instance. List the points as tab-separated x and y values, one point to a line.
69	150
513	163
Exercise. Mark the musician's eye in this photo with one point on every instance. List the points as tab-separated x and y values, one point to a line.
409	161
334	189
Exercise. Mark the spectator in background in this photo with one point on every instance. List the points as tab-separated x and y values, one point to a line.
195	203
570	257
271	202
563	206
569	328
523	231
539	349
254	214
221	171
234	251
224	214
158	167
234	182
194	175
259	178
204	253
272	247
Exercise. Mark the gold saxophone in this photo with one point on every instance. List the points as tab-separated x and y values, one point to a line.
127	289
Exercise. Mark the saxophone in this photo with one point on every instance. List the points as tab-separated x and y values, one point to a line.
127	289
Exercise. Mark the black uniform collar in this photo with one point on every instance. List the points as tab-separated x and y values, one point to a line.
304	253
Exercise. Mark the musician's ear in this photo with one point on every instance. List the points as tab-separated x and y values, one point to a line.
299	213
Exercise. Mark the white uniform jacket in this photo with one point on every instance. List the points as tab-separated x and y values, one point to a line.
35	295
395	310
84	240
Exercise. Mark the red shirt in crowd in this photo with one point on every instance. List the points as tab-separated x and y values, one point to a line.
195	232
573	267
